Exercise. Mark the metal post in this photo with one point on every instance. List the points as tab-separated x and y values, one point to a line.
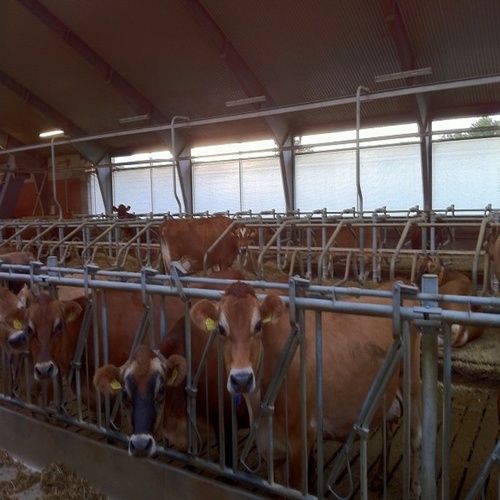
429	390
174	157
358	182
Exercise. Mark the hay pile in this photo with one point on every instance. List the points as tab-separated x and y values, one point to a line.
479	359
54	482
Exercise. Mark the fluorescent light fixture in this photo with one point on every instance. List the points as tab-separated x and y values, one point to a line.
404	74
246	100
51	133
135	118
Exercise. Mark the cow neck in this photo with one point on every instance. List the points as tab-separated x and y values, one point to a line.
253	399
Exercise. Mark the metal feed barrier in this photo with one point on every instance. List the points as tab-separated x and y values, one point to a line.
333	472
312	245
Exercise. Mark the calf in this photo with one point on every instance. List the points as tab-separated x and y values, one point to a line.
453	282
254	334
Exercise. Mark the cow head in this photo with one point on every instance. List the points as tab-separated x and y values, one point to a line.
431	265
240	319
45	333
13	319
143	381
122	211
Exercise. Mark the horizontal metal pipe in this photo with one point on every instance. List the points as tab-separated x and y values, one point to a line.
379	310
340	101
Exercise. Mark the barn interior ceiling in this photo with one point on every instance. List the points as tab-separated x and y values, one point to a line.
84	65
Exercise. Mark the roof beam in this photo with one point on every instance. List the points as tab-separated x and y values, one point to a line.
133	96
399	33
90	150
247	79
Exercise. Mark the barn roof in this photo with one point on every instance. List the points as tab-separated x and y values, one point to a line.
83	65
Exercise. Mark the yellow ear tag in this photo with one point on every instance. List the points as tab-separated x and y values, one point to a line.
17	324
210	324
267	320
172	378
115	385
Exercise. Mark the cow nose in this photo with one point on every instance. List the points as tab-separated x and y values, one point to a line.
45	370
17	340
141	445
241	382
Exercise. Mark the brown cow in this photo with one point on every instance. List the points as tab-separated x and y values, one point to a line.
354	347
187	240
163	416
453	282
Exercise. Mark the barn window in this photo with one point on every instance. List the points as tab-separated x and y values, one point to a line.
466	173
325	169
239	176
144	181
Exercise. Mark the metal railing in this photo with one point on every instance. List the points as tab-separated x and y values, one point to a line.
402	306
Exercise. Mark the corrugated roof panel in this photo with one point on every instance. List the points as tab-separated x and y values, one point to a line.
303	51
39	61
159	48
458	39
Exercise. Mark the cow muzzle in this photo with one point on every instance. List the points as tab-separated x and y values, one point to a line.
46	370
141	445
18	340
241	381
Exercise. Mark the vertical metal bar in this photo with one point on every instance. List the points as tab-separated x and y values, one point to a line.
363	467
96	355
234	434
445	459
189	378
303	401
220	400
319	405
429	391
406	342
360	206
308	243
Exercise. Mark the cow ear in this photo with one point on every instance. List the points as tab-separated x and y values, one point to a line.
115	209
272	308
175	370
204	315
24	297
108	379
71	310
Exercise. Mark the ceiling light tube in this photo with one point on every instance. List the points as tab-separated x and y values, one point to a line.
246	100
403	74
50	133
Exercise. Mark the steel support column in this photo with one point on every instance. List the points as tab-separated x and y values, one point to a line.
185	171
287	165
105	179
425	130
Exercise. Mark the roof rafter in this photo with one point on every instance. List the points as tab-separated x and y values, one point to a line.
134	97
399	33
90	150
249	82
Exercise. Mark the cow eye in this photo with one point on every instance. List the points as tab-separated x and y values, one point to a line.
29	331
58	327
258	326
222	330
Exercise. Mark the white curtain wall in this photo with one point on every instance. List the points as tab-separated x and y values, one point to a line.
466	173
